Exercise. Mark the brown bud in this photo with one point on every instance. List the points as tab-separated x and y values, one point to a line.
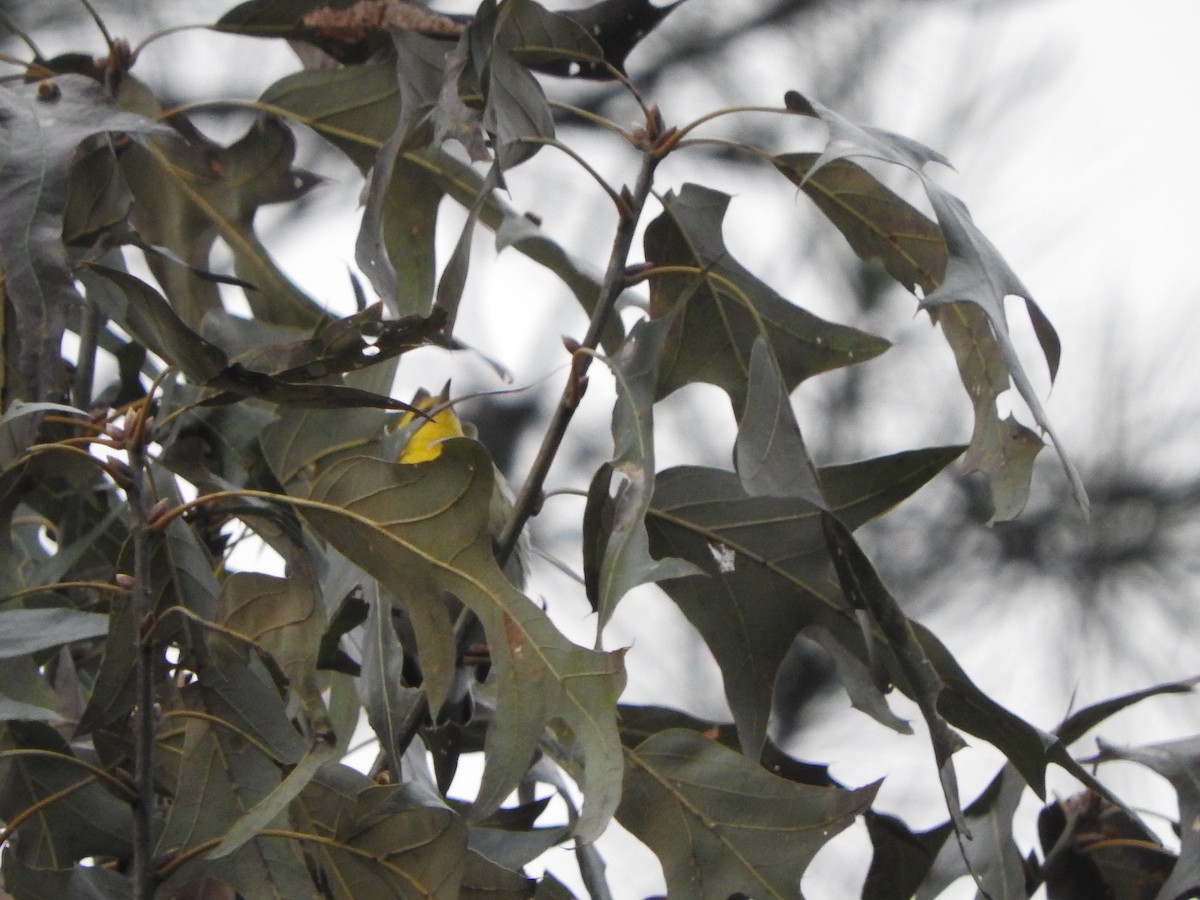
48	90
657	126
636	272
118	471
156	512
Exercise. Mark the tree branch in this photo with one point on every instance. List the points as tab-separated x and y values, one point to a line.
144	880
529	499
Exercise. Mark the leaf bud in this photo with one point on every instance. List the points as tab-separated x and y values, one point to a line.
118	471
156	512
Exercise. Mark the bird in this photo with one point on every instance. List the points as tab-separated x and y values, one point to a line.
424	444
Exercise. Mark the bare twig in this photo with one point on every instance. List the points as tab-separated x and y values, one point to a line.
143	606
529	499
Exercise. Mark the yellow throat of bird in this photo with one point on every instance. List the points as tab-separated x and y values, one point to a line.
426	442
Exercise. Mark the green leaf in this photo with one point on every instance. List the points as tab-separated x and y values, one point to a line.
597	525
849	139
24	683
423	529
182	570
626	561
769	453
189	193
214	447
990	854
639	723
86	820
1179	763
271	18
221	779
880	225
146	315
99	198
550	888
965	706
515	847
878	610
302	438
453	280
553	41
271	806
26	712
286	618
749	609
968	277
901	858
41	125
1079	723
355	108
861	491
514	105
769	578
452	119
374	841
722	308
876	222
90	882
580	43
399	222
485	879
768	572
1002	450
408	220
866	682
977	273
617	27
113	693
924	864
26	631
381	685
720	824
16	421
237	689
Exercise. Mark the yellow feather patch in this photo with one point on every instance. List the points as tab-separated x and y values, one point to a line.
426	442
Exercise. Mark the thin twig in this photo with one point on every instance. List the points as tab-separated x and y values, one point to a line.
529	498
108	38
165	32
583	164
7	21
144	879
